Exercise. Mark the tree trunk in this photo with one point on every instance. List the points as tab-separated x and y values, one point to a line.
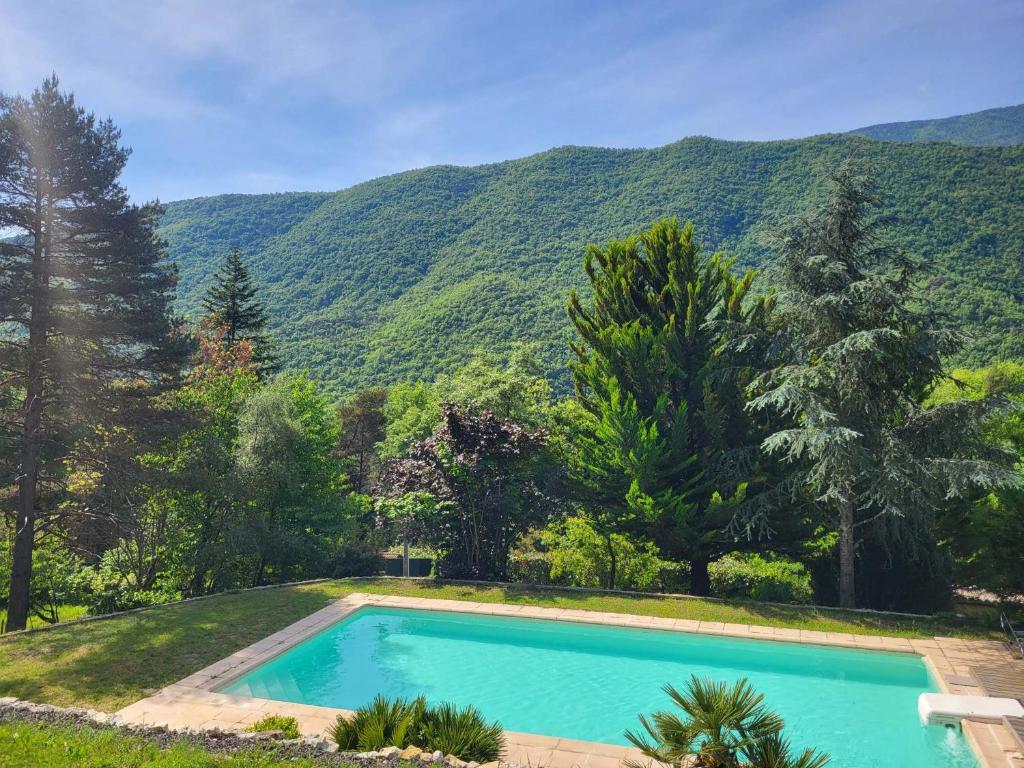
847	555
405	558
24	539
700	580
25	522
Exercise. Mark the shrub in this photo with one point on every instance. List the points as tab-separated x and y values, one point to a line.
579	557
401	723
384	723
526	567
463	733
752	577
286	725
113	598
357	556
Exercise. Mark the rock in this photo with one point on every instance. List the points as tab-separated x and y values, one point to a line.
6	701
426	757
389	751
472	764
366	755
437	756
410	753
318	743
454	762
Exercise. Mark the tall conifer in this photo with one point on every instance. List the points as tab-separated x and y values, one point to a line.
862	349
670	450
232	303
86	337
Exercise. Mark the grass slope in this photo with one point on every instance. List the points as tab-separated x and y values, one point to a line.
404	276
1002	126
110	663
33	745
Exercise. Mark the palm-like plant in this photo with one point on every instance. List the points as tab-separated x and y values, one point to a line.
382	724
774	752
463	733
722	721
402	723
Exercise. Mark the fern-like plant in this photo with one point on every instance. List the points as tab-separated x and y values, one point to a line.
384	723
463	733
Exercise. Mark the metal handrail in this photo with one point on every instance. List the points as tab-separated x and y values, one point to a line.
1016	638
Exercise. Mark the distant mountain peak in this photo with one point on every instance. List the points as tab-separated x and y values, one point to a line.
999	127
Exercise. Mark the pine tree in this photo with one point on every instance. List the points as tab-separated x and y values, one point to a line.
232	303
87	338
363	425
862	350
670	449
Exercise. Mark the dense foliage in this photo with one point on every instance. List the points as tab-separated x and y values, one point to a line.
404	277
984	532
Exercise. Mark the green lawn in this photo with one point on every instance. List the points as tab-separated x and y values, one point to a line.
65	612
32	745
110	663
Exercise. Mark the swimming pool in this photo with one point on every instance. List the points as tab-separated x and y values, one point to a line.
589	682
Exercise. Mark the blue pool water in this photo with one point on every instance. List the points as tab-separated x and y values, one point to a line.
590	682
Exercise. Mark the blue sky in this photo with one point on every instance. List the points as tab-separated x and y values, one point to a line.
251	96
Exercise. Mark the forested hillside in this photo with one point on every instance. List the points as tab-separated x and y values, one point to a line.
403	277
998	127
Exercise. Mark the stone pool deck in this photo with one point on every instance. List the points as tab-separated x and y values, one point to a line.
194	703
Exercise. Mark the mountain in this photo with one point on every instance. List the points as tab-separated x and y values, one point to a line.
990	128
404	276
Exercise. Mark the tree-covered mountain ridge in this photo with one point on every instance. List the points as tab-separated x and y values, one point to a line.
1001	126
404	276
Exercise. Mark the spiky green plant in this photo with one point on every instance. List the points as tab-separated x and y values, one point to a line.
720	721
774	751
384	723
463	733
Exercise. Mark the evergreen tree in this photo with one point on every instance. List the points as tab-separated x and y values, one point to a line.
363	425
87	338
670	448
860	356
232	303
